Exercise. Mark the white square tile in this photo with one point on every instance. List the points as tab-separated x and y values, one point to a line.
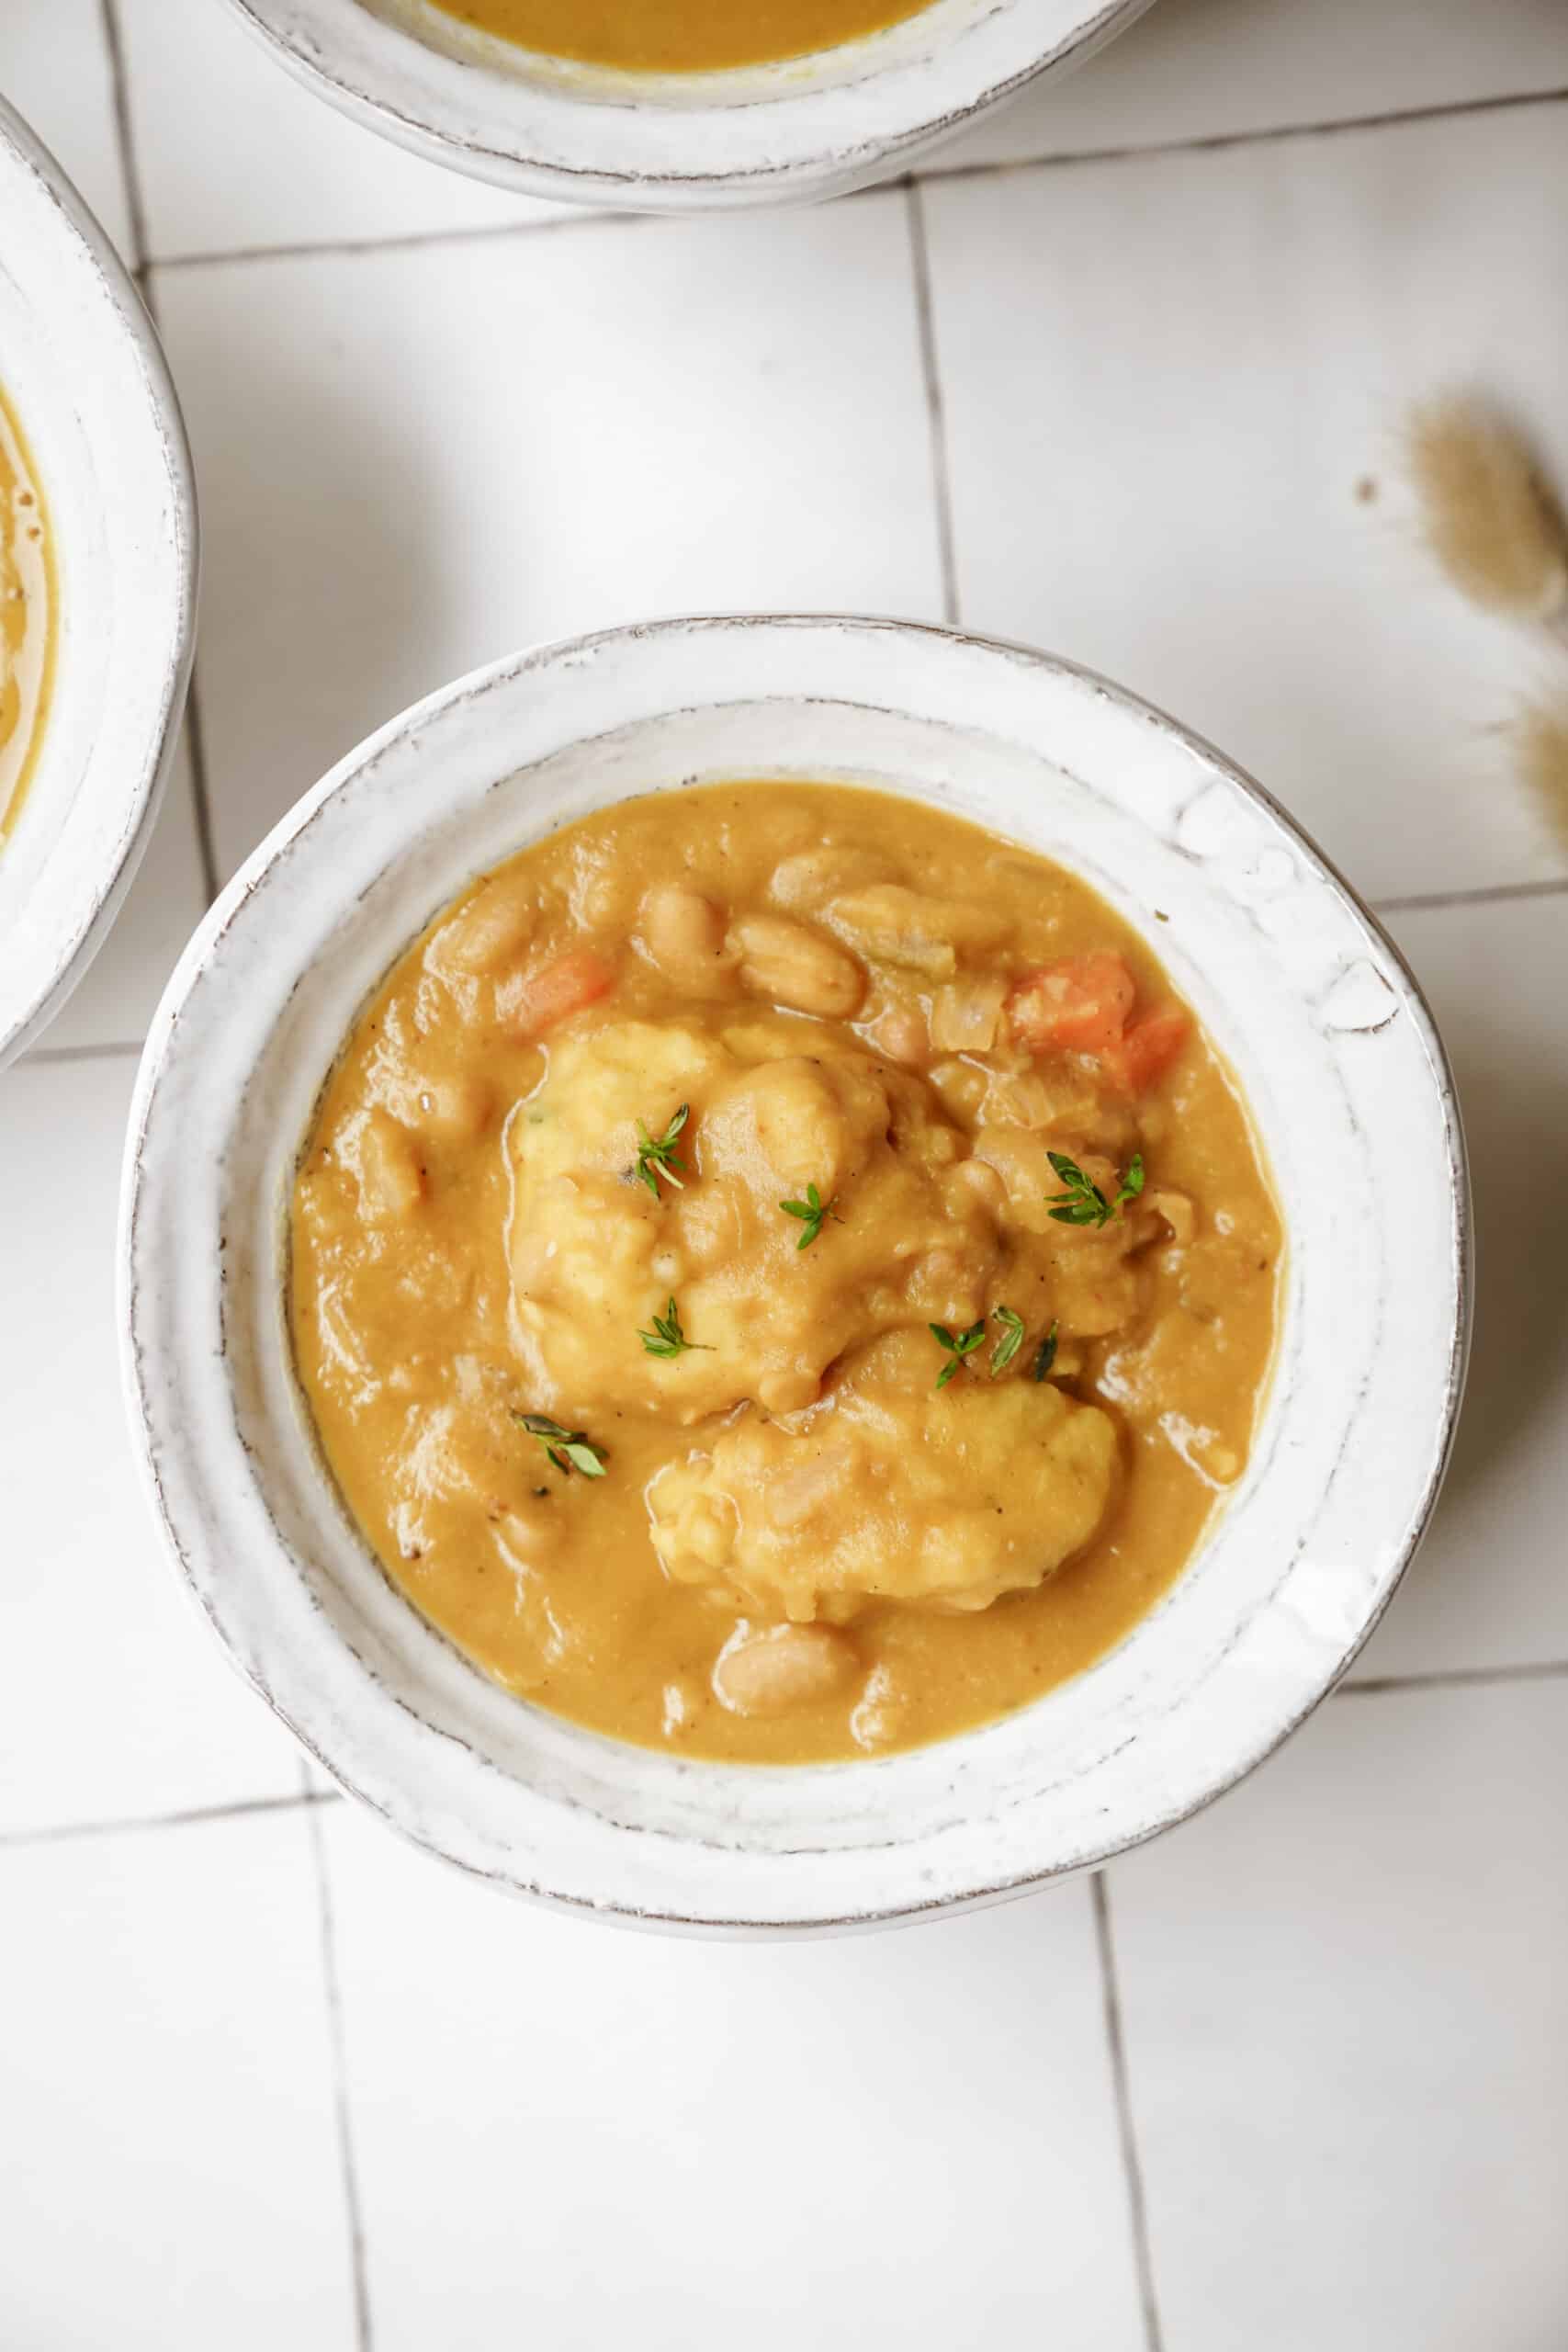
114	1700
119	995
1170	384
167	2134
1204	68
234	154
906	2139
1488	1587
413	461
55	69
1347	2022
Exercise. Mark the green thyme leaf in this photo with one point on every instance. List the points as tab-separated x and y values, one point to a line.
957	1345
1046	1355
813	1212
657	1156
667	1338
569	1450
1082	1202
1085	1203
1008	1346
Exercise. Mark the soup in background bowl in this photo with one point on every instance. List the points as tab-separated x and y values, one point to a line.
673	104
100	609
28	597
678	36
330	1029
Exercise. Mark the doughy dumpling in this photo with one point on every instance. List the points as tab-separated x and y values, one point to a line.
890	1489
776	1104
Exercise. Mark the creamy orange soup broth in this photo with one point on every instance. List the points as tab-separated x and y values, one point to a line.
26	617
778	1275
679	35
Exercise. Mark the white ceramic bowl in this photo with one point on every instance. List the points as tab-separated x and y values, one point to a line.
81	367
808	127
1295	982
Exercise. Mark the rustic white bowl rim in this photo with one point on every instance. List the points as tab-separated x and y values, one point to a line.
1333	1043
94	397
804	128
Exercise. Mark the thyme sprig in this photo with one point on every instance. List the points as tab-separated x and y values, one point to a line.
1083	1203
657	1156
569	1450
958	1345
1008	1346
667	1338
813	1212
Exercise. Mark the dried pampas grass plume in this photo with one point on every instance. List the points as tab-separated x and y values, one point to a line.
1541	754
1489	517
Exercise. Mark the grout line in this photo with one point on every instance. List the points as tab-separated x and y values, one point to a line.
585	217
1137	2206
119	85
1486	894
192	1815
362	2333
136	209
931	372
1269	134
200	797
122	1049
1452	1678
571	216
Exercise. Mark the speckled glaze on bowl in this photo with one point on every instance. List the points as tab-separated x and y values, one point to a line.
806	127
1349	1089
85	375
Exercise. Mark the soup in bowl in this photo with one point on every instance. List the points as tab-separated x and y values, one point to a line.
98	584
740	1299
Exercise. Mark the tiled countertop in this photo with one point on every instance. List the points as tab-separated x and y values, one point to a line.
1121	376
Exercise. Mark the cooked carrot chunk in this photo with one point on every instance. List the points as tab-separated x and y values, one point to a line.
1078	1005
555	990
1141	1056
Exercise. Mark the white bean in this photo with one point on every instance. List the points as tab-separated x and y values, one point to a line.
391	1181
496	926
684	934
768	1673
792	966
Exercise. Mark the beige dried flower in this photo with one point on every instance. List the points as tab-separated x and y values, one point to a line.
1488	514
1541	755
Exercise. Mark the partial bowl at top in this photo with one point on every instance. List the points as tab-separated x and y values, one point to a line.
82	373
798	127
1294	981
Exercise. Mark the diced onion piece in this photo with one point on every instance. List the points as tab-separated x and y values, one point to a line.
1178	1213
965	1015
894	925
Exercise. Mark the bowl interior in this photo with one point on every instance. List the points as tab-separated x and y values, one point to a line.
809	126
1319	1019
85	378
